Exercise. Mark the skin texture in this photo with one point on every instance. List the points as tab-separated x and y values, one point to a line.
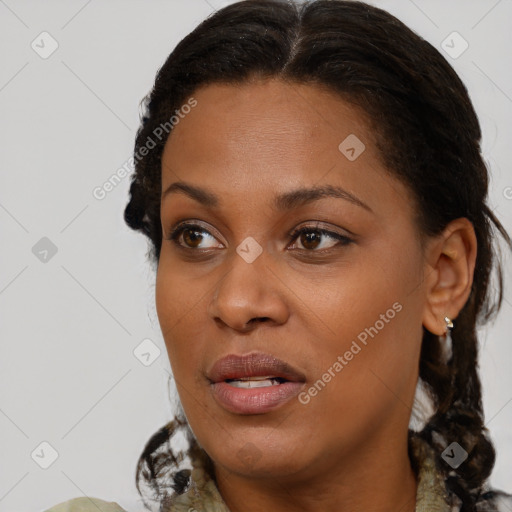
346	449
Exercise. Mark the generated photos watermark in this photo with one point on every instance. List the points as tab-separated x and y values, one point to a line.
160	132
341	362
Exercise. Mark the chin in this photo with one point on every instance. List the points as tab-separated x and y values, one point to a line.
260	455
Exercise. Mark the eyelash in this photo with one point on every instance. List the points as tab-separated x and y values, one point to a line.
343	240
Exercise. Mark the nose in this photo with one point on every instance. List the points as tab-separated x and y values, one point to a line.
248	294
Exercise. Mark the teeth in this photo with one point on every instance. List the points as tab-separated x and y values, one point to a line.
253	382
258	378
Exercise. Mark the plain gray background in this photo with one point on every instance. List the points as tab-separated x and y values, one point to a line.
70	323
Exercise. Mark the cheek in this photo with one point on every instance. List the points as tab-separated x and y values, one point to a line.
176	308
169	286
368	293
177	297
372	321
166	303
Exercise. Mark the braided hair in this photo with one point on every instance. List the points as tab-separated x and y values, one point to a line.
428	135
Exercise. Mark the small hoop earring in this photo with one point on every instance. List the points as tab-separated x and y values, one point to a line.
446	346
449	324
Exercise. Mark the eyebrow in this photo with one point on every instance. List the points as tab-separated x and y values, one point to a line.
286	201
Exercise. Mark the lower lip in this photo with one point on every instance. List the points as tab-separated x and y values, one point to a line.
254	400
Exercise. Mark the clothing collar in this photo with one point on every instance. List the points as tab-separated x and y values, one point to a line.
203	495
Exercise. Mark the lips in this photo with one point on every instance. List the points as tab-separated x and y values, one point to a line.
255	383
234	367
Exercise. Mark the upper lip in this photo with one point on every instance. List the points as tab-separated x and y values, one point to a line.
254	364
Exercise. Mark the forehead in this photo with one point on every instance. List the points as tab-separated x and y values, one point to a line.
271	135
264	119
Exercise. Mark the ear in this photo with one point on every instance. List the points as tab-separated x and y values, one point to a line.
451	261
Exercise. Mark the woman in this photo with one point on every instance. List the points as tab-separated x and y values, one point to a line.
311	183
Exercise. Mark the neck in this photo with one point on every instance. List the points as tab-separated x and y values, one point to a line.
377	476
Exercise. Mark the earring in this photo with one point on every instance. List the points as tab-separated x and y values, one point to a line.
446	346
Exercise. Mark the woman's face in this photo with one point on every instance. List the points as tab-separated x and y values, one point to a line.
341	302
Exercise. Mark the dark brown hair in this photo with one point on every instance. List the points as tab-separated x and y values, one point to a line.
428	135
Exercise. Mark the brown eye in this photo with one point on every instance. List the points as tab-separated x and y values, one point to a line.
311	238
192	238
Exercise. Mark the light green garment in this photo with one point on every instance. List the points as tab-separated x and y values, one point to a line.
86	504
203	495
